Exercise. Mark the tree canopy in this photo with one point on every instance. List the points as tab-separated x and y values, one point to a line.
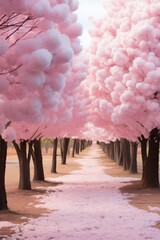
50	87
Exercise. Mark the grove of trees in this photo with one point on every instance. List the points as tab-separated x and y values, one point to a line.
50	88
124	77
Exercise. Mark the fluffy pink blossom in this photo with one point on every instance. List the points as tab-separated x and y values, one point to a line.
36	64
9	134
124	83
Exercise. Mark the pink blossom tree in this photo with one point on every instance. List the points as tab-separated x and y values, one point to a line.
71	113
124	80
10	22
39	41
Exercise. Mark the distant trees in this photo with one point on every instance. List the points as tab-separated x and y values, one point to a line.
123	152
47	143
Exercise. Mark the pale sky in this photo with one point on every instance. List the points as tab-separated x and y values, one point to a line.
86	9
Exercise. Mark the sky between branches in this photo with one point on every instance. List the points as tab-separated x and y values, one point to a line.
87	9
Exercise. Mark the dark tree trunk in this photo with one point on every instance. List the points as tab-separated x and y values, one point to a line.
102	146
120	158
65	149
3	154
126	154
77	146
69	149
112	150
84	144
24	163
143	142
116	150
54	156
61	147
151	169
133	164
74	147
106	148
37	160
81	145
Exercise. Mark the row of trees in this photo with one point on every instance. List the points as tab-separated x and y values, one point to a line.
33	150
46	88
40	72
124	153
124	79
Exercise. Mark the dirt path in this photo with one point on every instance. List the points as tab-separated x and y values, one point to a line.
147	199
22	203
89	205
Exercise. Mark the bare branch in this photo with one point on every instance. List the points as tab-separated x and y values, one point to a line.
34	134
7	20
31	28
10	71
3	16
7	124
20	24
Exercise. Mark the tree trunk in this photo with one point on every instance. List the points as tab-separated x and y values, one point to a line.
133	164
65	149
126	154
120	158
3	154
143	142
54	156
61	147
74	147
102	144
24	163
77	146
151	170
37	160
84	144
81	145
116	150
106	149
111	150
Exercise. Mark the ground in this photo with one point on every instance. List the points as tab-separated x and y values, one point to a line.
23	204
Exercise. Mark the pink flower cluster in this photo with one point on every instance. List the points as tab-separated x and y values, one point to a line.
125	68
38	48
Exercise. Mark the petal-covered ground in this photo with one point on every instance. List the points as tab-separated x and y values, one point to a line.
89	205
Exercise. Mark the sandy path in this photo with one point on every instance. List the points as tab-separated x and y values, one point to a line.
89	205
